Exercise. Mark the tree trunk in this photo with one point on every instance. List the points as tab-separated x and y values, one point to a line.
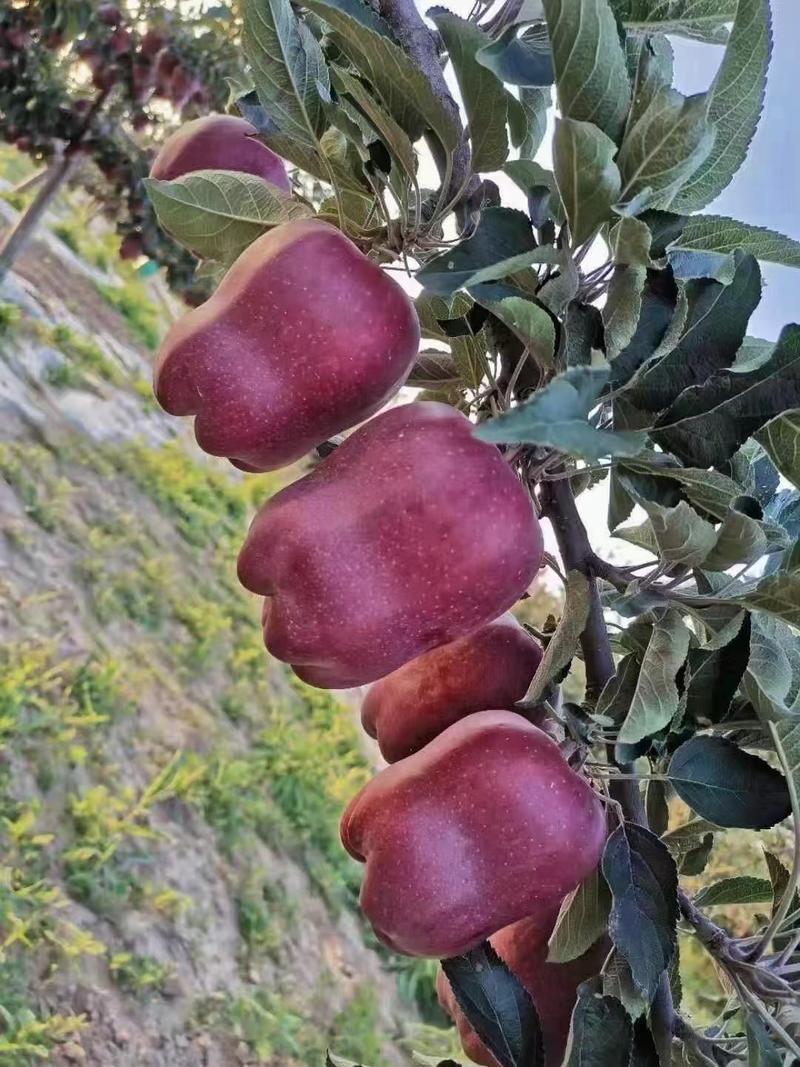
16	240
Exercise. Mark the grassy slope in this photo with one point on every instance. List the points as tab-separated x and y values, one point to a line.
172	887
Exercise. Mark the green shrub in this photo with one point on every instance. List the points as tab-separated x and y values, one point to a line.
84	355
134	303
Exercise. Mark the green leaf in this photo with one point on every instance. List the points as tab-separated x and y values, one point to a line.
629	242
287	65
619	691
781	438
707	490
740	539
708	422
664	147
434	370
532	178
586	175
497	1007
777	594
557	416
681	534
716	326
389	131
502	245
581	335
217	213
735	102
685	838
743	889
644	885
713	674
718	236
582	920
527	319
561	287
778	874
698	19
600	1034
400	85
524	60
618	983
561	646
623	308
483	95
728	786
655	698
527	119
591	73
770	669
658	314
651	60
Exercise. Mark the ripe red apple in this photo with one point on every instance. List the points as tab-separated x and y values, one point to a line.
218	142
552	986
131	246
152	43
490	668
410	534
304	337
486	825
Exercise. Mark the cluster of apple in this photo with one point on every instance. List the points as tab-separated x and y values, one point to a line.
394	562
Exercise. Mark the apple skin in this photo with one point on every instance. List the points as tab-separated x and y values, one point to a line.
410	534
490	668
303	338
552	986
218	142
485	826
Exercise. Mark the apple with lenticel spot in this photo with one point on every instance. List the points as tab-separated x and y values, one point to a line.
484	826
303	338
412	533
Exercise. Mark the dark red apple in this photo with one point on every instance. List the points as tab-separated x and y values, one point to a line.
410	534
552	986
304	337
491	668
218	142
131	246
486	825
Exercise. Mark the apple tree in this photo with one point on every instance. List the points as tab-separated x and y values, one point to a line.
84	86
588	348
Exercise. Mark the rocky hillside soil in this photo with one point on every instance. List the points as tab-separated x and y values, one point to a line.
172	888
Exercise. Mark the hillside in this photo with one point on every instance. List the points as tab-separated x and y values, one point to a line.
172	888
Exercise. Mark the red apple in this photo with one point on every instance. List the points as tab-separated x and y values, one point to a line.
491	668
131	246
552	986
303	338
410	534
218	142
486	825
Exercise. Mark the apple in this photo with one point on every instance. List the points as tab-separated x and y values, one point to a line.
486	825
303	338
131	246
490	668
217	142
412	533
552	986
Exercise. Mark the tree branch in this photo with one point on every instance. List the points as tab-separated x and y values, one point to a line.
420	43
558	505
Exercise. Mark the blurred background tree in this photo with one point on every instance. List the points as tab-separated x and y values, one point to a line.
89	89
